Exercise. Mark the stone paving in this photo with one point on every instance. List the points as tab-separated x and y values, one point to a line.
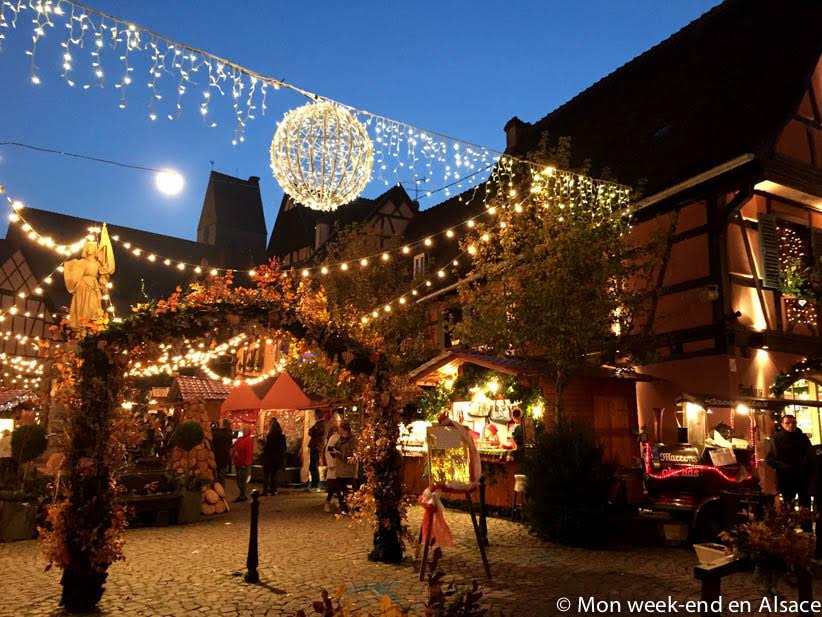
197	569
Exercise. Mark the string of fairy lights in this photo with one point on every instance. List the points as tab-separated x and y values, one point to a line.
566	191
199	355
98	45
99	48
792	262
21	370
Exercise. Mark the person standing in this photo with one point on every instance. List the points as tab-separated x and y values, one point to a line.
273	454
5	444
813	463
316	443
242	457
6	463
345	464
221	445
787	452
330	468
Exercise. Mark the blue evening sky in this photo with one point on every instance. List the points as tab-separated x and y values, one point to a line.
461	68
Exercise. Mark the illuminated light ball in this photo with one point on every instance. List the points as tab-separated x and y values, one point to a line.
322	156
169	182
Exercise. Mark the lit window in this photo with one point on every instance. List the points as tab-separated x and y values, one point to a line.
419	265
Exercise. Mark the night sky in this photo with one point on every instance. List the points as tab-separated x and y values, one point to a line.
459	68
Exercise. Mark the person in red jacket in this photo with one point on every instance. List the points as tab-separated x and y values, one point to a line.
241	455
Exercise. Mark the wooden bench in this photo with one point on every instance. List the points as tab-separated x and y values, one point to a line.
149	504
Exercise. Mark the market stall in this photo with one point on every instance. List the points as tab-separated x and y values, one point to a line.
484	409
296	412
185	389
242	407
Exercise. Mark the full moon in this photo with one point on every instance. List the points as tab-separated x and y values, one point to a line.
169	182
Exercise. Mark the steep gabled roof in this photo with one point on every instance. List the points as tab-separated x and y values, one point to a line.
185	388
721	87
133	276
295	224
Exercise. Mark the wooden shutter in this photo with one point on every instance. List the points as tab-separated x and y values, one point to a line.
816	245
769	250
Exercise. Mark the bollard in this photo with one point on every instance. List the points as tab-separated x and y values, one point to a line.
483	521
252	576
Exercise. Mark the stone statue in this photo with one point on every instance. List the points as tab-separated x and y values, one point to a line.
87	281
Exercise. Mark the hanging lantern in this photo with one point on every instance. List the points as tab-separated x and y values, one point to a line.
322	156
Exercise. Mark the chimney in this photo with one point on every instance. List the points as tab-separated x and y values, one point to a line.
320	234
514	132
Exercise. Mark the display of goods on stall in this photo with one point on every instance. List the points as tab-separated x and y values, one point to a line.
200	461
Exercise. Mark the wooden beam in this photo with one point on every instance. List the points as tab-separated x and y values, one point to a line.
739	201
754	271
663	269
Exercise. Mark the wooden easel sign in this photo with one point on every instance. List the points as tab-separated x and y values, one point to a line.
453	467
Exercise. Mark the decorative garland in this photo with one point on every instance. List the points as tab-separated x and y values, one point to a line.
785	380
85	531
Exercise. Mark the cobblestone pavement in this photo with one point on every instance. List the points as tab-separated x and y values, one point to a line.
197	569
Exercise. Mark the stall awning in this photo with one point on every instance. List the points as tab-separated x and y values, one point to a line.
448	362
240	398
761	404
286	393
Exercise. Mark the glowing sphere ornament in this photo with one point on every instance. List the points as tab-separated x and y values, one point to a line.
322	155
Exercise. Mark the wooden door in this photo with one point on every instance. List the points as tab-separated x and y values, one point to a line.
614	420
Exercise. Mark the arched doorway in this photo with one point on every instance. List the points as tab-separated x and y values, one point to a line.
802	384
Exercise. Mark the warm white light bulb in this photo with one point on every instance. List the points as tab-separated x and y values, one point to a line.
169	182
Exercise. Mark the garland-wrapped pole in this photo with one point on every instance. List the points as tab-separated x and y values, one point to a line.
386	469
90	513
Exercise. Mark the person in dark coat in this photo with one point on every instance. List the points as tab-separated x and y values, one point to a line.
273	455
221	439
813	462
787	454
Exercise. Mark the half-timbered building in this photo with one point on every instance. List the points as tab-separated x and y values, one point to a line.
721	125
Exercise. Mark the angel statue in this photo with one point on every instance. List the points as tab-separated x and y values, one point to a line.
87	278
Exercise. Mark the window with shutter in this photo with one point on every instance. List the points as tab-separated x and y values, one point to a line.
769	250
419	265
816	247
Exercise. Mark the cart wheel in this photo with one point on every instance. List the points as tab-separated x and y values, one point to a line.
707	523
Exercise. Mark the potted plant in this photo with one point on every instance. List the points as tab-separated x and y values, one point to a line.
24	489
773	546
187	436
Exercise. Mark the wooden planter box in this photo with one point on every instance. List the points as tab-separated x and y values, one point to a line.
190	507
18	521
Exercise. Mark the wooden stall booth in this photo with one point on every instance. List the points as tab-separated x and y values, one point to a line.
296	412
597	397
241	407
185	389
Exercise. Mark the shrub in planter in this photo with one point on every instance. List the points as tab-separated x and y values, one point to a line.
568	486
773	546
188	435
19	503
28	443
